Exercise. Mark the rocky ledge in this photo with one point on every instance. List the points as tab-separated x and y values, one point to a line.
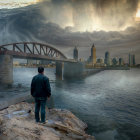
17	123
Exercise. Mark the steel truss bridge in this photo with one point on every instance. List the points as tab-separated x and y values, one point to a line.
34	50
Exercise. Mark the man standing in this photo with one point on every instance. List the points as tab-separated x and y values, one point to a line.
40	90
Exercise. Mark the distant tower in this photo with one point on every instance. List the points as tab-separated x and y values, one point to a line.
121	62
107	58
130	60
134	61
93	54
75	53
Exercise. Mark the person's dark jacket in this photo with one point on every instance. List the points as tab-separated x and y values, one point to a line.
40	86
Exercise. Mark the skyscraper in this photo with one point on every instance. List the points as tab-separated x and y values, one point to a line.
107	58
93	54
121	62
75	53
132	61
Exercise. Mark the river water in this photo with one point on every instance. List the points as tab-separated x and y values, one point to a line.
109	101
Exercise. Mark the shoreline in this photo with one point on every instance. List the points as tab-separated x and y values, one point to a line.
18	121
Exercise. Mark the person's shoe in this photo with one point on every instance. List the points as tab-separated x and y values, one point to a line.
44	122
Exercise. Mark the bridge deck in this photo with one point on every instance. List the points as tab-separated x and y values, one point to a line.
34	50
22	55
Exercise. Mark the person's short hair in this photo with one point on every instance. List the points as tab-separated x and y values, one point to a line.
40	69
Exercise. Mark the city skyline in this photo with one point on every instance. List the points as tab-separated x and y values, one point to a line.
109	31
93	58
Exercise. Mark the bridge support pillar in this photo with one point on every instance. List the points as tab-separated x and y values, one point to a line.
73	70
59	69
6	70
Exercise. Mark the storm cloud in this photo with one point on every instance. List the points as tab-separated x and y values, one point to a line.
61	23
91	15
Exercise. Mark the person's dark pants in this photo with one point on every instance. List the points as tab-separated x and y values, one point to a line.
40	102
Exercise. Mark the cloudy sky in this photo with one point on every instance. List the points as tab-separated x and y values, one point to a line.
112	25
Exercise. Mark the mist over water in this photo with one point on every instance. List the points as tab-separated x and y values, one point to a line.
109	102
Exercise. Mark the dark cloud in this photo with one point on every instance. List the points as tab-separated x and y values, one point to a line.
91	15
29	24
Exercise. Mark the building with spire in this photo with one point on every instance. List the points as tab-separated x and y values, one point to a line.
75	53
93	55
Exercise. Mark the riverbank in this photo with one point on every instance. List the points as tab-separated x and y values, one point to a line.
17	123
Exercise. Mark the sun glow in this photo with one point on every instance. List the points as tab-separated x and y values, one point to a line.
138	13
137	18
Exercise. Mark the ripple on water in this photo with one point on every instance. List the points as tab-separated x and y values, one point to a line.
108	101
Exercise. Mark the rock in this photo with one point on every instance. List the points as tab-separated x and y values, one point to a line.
17	123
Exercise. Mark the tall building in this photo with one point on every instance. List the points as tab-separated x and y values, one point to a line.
107	58
121	62
132	61
75	53
93	54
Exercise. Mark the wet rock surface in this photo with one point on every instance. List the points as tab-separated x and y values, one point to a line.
17	123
